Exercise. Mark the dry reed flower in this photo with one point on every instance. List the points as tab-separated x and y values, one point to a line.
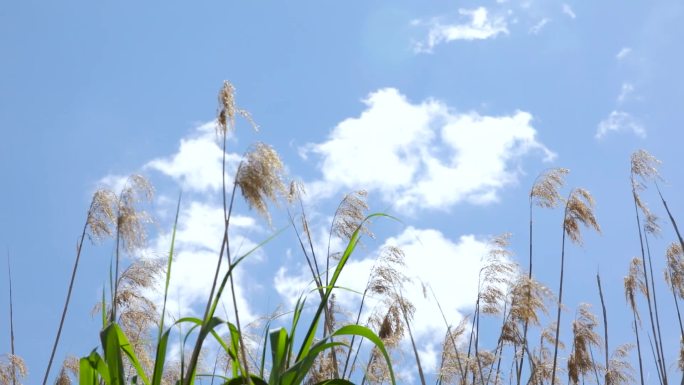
12	369
580	361
131	220
674	272
644	168
227	110
259	177
137	314
634	281
544	192
350	214
70	368
528	299
620	370
102	214
451	359
496	275
295	191
386	272
579	209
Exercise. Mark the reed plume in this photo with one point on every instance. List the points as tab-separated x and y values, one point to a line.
579	209
260	178
12	370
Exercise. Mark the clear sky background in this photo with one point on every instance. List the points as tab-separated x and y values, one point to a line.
444	111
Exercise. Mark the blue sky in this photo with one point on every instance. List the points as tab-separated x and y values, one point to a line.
444	111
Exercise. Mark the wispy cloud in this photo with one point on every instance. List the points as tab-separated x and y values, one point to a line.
423	156
620	121
479	26
535	29
625	92
567	9
624	52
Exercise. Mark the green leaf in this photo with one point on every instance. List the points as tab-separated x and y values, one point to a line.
353	242
168	269
128	349
279	342
298	371
365	332
112	354
336	381
160	358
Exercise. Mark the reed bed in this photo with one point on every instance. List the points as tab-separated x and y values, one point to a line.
326	344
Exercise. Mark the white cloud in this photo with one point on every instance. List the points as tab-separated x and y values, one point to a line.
481	26
624	52
535	29
620	121
197	164
432	259
419	156
567	9
625	92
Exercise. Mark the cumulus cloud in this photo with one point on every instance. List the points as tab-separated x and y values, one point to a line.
196	167
567	9
480	26
433	261
197	164
424	156
620	121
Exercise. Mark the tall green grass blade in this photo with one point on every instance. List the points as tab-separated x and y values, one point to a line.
168	269
112	354
353	242
234	346
279	348
104	309
212	310
160	358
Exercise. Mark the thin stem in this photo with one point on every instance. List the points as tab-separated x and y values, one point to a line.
413	342
655	305
660	366
11	314
68	297
560	301
638	344
605	325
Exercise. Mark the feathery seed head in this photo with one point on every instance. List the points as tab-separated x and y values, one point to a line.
579	209
674	272
260	178
350	214
131	220
620	370
528	299
386	272
102	214
12	369
633	282
227	110
544	192
584	336
496	275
